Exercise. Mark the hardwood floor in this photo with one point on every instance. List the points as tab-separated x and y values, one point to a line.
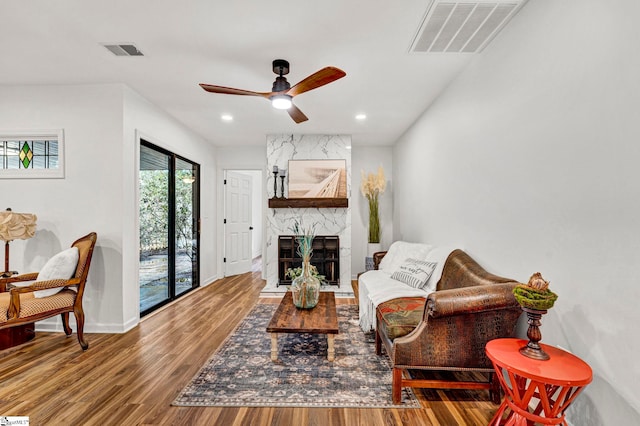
132	378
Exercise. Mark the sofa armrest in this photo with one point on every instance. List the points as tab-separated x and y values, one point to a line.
460	270
377	258
456	326
468	300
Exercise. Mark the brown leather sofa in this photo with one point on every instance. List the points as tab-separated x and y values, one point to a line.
469	307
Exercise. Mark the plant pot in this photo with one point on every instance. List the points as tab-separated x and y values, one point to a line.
305	289
373	248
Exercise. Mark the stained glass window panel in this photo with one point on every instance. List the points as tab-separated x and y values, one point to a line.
39	147
32	155
29	154
26	155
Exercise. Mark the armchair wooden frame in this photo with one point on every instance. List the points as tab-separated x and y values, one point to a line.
18	315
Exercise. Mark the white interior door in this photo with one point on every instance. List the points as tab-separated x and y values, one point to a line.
237	229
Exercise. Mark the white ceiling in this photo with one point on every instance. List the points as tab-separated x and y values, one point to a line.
232	43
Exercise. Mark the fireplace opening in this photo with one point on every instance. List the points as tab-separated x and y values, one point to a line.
325	257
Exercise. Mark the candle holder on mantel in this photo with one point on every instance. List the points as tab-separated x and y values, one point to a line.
283	174
535	299
275	181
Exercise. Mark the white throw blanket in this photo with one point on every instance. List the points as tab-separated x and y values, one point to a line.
377	287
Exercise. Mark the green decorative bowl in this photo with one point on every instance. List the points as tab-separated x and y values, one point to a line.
531	298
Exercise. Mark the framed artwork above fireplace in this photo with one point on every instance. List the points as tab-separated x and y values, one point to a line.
317	179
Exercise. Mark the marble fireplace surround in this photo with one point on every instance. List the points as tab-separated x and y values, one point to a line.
329	221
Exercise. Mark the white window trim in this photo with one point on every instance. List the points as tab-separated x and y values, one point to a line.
57	173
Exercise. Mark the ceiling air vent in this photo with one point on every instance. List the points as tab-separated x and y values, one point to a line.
463	27
123	49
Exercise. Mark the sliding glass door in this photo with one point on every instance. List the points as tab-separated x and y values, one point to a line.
169	226
186	225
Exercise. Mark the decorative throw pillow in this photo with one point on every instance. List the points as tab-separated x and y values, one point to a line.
401	251
61	266
414	272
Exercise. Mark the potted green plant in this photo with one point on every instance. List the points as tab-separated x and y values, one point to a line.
305	288
372	186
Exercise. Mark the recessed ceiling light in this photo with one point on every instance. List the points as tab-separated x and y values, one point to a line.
361	117
226	117
348	147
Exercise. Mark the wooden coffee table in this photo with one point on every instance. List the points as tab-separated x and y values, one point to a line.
322	319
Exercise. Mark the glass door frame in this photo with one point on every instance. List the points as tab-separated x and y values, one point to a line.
172	244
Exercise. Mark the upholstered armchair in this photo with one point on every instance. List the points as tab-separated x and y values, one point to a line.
449	332
36	296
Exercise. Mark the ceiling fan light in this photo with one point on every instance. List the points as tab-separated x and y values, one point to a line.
281	101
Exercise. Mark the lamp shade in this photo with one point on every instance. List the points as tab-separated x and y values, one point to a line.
17	226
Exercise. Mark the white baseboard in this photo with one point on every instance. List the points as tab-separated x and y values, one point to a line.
101	328
209	280
50	326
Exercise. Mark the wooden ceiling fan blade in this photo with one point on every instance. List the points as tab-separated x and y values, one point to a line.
231	91
297	115
320	78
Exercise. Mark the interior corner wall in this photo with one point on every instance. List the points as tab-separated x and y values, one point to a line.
367	159
88	198
144	120
98	192
529	160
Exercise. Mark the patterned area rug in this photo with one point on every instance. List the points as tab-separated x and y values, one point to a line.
241	372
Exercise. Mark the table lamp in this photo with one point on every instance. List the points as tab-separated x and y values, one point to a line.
15	226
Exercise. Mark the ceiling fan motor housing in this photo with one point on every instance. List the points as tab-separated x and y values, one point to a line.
281	67
281	84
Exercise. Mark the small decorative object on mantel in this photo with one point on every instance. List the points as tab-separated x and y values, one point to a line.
371	187
305	288
275	181
283	174
535	298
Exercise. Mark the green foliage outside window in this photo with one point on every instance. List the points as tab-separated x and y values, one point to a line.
154	211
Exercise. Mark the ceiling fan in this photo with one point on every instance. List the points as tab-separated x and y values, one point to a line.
282	93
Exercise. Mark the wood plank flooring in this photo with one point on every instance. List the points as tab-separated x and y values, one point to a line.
132	378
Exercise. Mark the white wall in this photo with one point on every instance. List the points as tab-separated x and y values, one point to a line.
530	160
98	192
89	198
368	159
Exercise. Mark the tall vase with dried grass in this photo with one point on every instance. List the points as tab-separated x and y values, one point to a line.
372	186
305	288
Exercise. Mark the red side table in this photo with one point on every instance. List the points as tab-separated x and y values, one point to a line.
536	391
